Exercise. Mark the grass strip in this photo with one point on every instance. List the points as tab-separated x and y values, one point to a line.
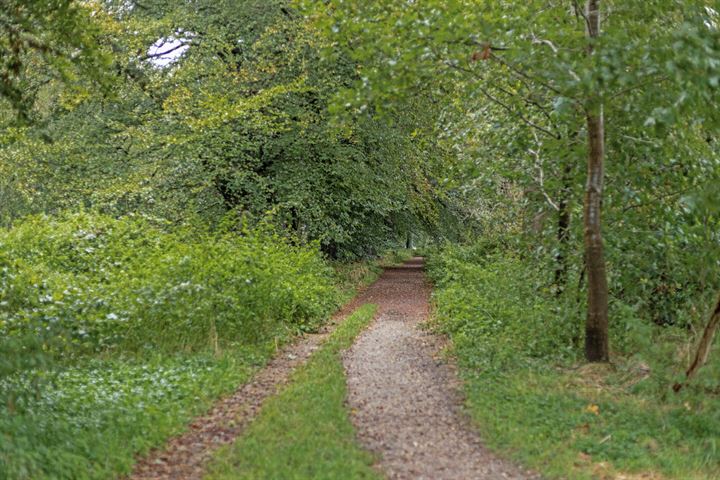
304	432
549	421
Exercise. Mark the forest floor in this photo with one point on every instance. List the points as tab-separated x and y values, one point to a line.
403	398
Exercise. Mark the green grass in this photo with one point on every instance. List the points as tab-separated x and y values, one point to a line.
535	401
91	419
568	427
304	432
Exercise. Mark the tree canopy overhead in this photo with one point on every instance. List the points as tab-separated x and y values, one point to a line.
631	87
217	109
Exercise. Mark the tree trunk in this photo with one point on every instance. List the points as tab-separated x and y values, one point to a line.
703	350
563	233
596	325
408	240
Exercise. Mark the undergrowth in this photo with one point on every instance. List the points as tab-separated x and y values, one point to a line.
115	332
520	353
91	419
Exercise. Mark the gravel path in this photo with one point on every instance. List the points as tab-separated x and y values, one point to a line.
405	401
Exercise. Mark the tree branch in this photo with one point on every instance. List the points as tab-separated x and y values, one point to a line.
541	175
166	52
507	107
655	199
519	72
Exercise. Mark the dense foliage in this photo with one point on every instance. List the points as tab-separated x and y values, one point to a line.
496	331
177	180
219	107
522	88
101	284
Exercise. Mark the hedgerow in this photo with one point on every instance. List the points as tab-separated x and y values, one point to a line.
90	283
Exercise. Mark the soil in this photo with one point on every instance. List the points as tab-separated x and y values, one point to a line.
405	400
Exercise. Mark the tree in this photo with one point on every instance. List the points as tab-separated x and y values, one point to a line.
545	69
239	123
45	41
596	327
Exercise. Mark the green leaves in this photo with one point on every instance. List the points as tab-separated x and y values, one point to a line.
242	122
93	283
44	42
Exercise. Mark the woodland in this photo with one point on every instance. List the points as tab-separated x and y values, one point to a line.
187	186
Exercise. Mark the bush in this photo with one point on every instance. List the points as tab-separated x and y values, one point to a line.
88	283
115	332
496	310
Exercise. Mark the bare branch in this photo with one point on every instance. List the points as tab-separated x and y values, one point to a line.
655	199
508	108
166	52
657	78
579	12
541	41
523	74
541	174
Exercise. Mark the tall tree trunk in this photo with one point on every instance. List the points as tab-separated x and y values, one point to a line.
703	349
596	324
408	240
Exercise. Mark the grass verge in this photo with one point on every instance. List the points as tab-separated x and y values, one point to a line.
535	401
566	426
304	432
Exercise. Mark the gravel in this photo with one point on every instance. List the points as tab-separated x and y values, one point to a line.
405	400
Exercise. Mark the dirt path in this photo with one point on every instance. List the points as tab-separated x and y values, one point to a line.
405	402
184	456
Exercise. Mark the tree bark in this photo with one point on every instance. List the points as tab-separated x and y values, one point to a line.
596	325
563	232
703	350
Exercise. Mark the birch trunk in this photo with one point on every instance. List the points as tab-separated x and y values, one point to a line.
596	324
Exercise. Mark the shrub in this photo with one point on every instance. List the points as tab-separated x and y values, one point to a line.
495	307
86	283
111	329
